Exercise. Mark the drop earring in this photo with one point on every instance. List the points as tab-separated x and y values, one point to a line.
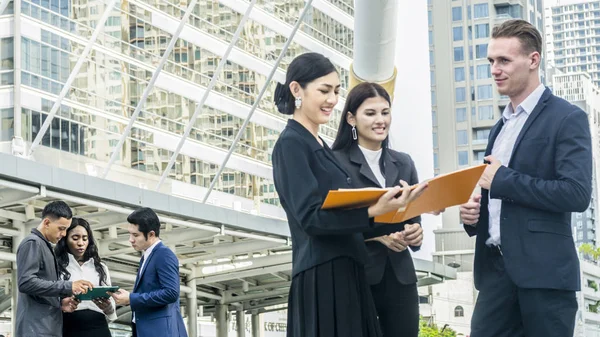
354	135
298	102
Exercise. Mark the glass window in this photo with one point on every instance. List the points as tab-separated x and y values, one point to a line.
433	119
461	137
459	74
532	17
463	158
431	38
436	163
7	126
456	13
461	114
486	112
482	134
484	91
433	99
479	155
435	140
457	33
481	51
482	30
6	54
458	54
484	71
460	95
481	11
432	77
429	18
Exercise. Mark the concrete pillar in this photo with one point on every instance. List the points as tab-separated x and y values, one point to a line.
14	284
240	320
192	309
221	318
256	330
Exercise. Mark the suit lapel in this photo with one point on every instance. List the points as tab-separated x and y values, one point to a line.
493	135
357	157
391	170
140	275
534	114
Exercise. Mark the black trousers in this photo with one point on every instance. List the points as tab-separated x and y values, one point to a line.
397	305
505	310
85	323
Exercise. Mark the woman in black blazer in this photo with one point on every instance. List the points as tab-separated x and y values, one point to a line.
362	146
329	295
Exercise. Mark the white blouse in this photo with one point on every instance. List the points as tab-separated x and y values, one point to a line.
372	158
87	271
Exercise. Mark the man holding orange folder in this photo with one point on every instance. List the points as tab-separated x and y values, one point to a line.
540	170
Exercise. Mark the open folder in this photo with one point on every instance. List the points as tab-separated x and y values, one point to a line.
445	190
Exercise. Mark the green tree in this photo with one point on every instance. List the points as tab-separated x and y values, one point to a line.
589	250
431	330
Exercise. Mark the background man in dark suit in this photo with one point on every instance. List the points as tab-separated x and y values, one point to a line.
155	297
540	170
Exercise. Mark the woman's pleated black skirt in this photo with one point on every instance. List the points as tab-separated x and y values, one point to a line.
332	300
85	323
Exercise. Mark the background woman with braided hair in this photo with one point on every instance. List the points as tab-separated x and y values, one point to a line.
77	257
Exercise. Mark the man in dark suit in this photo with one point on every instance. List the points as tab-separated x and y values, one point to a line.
155	297
540	170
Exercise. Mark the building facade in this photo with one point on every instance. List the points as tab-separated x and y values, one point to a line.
41	43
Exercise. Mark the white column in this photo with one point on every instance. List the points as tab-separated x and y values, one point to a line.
411	129
192	309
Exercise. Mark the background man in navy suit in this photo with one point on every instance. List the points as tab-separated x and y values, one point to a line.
540	170
155	297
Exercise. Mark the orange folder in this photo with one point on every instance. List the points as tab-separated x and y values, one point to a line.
445	190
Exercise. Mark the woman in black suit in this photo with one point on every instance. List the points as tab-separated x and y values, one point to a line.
329	295
362	146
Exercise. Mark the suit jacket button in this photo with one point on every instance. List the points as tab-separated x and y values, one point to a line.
349	181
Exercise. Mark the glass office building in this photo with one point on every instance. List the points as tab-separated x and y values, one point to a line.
41	42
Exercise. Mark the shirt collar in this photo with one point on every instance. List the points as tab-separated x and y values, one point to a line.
526	106
73	260
148	251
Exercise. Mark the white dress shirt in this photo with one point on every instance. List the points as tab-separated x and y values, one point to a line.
146	254
503	147
87	271
372	158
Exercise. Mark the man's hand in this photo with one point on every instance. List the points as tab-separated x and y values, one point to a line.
413	234
469	212
121	297
81	287
69	304
490	171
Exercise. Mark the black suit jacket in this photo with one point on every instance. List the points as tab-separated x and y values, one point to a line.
304	172
397	166
548	177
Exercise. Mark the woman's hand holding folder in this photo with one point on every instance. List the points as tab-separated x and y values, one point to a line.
396	198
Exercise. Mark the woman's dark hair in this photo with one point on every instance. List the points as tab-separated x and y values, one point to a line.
356	97
62	250
303	69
